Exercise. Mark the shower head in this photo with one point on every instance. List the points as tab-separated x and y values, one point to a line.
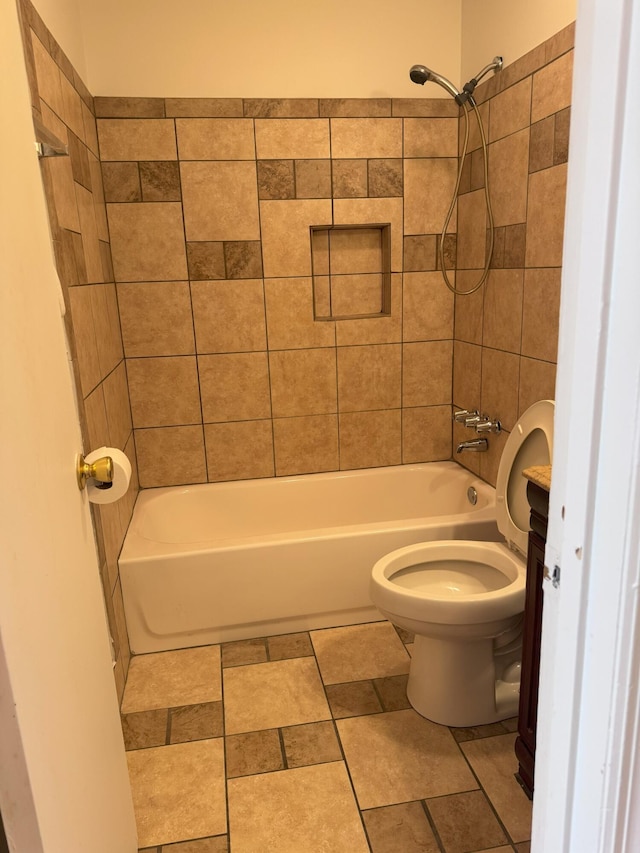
421	74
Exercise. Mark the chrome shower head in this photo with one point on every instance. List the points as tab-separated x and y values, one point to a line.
421	74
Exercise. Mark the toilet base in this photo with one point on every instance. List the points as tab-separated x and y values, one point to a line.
461	683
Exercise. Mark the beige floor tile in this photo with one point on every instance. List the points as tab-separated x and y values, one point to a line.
399	756
178	791
393	692
168	679
313	743
290	646
219	844
144	729
321	815
196	722
359	652
403	827
253	752
353	699
462	734
271	695
242	652
494	763
465	822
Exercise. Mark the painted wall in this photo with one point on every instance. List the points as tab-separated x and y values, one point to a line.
63	19
509	28
283	48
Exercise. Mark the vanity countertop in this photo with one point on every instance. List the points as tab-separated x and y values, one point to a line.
540	475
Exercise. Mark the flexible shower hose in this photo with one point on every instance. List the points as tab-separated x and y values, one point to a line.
489	252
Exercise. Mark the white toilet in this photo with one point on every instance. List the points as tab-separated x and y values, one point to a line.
465	600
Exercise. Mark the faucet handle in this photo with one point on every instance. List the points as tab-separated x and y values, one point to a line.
487	425
462	416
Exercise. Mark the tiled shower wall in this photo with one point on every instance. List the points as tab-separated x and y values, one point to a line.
209	204
506	334
73	189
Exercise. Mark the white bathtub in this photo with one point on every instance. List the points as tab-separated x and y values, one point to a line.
229	561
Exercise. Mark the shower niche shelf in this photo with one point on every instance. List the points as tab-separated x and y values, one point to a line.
351	271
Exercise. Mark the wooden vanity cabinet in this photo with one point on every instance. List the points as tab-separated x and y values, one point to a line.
525	746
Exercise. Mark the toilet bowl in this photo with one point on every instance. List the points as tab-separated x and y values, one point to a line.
464	600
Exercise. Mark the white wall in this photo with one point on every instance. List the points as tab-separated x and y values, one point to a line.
508	28
278	49
62	17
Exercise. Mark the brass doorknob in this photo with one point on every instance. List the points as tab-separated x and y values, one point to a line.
101	470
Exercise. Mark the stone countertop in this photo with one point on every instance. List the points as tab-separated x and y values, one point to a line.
540	475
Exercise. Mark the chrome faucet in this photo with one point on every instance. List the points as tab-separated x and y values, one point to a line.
476	444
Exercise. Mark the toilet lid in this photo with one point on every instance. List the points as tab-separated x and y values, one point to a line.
530	443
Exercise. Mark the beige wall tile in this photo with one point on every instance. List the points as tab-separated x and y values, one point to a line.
276	179
472	230
370	439
290	323
85	338
508	173
503	310
355	107
104	305
239	451
292	139
541	313
89	228
427	373
545	217
420	253
306	445
313	178
215	139
355	250
147	241
64	192
96	417
116	400
385	178
98	198
490	461
286	246
121	182
234	387
220	200
229	316
152	389
204	107
303	382
129	107
71	108
369	377
375	330
90	129
552	87
376	211
137	139
428	187
121	625
474	133
426	434
500	377
469	308
366	137
430	137
170	456
349	178
425	107
48	76
355	294
510	110
178	790
156	318
537	382
467	361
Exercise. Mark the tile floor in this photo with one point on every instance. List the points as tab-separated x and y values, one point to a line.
305	743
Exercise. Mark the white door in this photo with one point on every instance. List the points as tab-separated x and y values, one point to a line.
63	777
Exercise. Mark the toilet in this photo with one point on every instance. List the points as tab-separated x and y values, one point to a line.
464	600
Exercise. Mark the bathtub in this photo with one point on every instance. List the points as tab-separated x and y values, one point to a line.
229	561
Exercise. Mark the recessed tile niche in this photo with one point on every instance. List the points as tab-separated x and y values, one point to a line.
351	269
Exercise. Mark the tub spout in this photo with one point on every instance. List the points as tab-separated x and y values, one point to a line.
476	444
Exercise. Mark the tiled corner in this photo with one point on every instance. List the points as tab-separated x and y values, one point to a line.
168	679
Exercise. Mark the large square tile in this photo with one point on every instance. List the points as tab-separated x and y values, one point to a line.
359	652
400	756
178	791
147	241
170	679
271	695
494	763
320	815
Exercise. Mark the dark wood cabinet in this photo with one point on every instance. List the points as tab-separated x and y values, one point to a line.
525	746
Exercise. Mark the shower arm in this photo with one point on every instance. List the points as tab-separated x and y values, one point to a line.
469	87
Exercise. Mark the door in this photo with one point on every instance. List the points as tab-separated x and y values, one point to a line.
63	776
